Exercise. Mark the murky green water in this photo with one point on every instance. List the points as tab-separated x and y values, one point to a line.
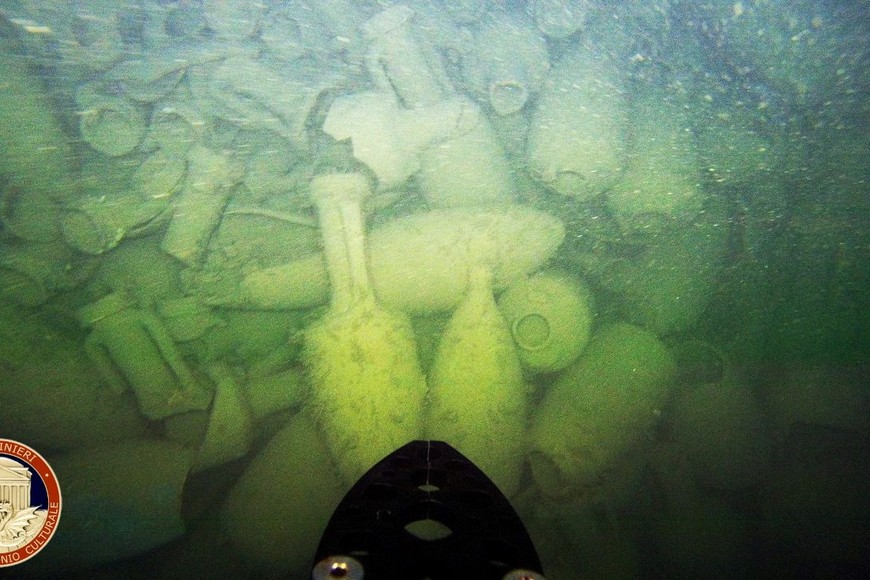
615	253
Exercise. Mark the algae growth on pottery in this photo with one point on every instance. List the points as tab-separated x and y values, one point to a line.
616	253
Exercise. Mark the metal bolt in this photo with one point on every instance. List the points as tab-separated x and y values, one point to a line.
521	574
333	567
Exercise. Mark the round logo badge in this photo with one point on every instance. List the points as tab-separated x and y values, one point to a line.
29	502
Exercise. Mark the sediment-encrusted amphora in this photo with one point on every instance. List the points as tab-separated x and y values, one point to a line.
130	347
415	122
367	386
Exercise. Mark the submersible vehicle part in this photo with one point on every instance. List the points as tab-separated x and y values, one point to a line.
425	511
